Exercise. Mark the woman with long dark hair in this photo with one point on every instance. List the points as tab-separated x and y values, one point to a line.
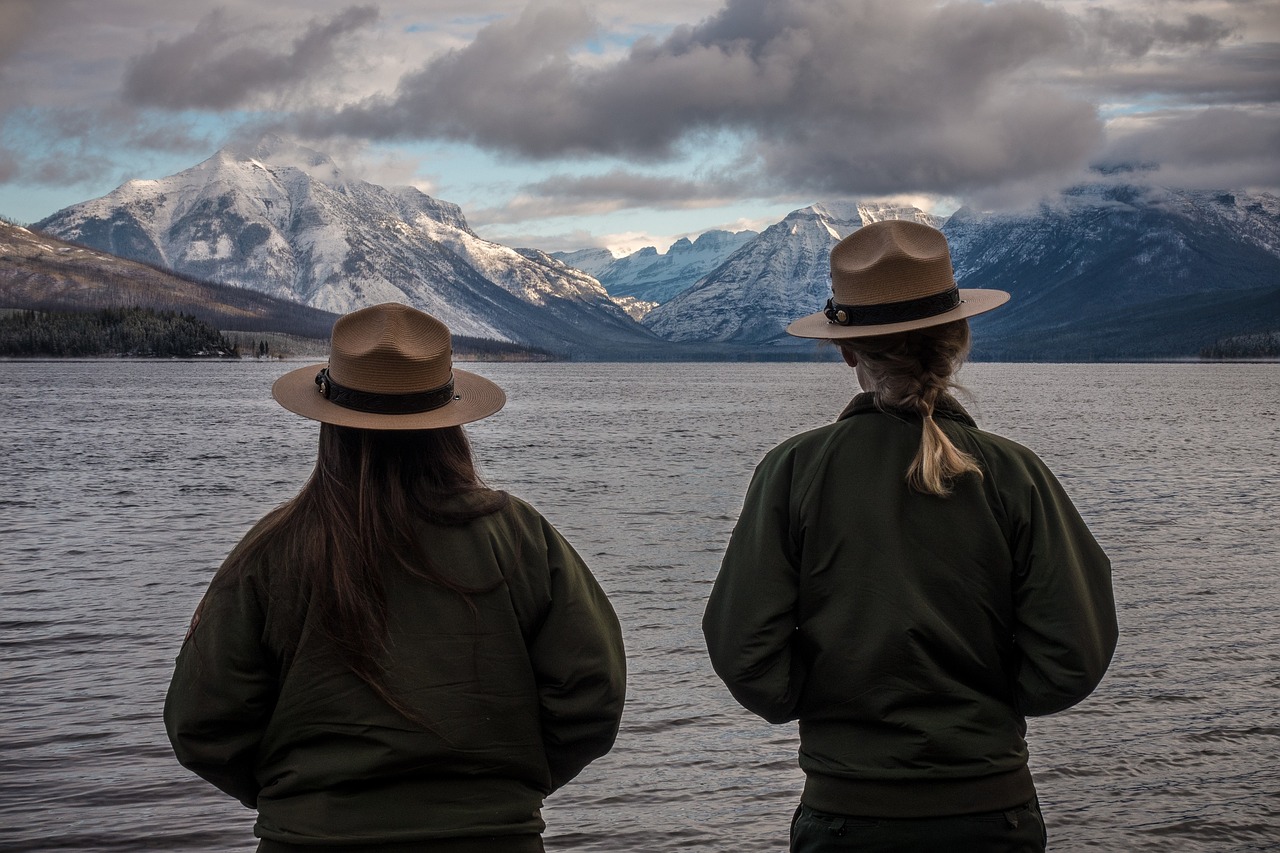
907	586
399	658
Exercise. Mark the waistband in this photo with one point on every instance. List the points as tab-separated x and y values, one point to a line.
490	844
917	798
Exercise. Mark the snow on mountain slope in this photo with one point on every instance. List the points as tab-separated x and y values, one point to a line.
781	274
284	220
1119	270
1103	270
650	276
593	262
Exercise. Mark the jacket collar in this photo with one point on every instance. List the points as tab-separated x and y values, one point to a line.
865	403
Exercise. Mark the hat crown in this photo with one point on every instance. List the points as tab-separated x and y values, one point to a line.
890	261
390	349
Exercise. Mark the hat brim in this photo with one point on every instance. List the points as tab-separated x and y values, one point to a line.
474	398
972	303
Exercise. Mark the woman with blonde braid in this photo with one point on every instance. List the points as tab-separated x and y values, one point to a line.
905	585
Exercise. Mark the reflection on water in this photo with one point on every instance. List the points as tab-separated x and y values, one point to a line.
127	483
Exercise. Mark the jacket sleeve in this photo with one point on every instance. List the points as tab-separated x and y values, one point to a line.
579	664
1065	617
750	620
222	692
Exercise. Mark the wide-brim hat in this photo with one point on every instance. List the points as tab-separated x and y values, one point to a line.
390	367
889	277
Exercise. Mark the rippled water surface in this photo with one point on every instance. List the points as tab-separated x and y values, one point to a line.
126	483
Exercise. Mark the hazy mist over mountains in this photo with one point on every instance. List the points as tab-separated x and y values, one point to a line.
1105	271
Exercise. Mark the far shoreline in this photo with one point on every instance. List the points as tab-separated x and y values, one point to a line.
462	358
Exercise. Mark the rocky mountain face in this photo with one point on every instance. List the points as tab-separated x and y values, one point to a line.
649	276
779	275
1123	272
1103	272
43	273
283	220
593	262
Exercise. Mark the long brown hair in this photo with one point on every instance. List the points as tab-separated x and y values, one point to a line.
915	371
354	517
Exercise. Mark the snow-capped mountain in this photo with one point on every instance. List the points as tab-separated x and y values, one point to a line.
779	275
651	276
593	262
284	220
1121	271
1104	271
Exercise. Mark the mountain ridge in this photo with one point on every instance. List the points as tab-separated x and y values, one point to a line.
652	276
754	293
41	272
1104	270
310	234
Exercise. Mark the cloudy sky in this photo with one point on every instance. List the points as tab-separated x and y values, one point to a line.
563	125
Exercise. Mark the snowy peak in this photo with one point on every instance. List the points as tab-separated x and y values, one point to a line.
1103	271
1123	271
275	153
593	262
781	274
653	277
282	219
880	212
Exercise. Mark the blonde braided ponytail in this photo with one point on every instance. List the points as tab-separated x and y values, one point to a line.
914	371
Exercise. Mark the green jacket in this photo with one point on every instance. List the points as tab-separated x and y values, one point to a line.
909	634
520	690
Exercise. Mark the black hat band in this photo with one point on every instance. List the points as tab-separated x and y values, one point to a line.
892	312
383	404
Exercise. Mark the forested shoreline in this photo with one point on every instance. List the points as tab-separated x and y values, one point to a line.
1257	345
148	333
111	332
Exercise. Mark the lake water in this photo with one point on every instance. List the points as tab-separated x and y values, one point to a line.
126	483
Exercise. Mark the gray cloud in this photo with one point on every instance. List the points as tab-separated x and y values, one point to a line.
636	189
593	195
566	241
878	96
8	165
1245	75
20	20
21	23
804	98
514	86
1210	148
219	66
1122	34
882	95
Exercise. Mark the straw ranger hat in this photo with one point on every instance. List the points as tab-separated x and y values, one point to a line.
889	277
390	367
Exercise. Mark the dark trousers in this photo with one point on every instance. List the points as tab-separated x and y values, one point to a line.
1016	830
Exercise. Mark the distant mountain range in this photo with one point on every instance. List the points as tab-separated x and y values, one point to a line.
284	220
779	275
649	276
1103	272
1123	272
